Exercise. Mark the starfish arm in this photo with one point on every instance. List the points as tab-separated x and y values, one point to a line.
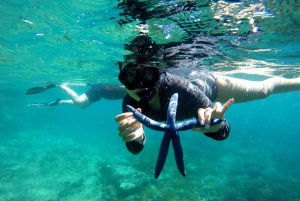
171	133
194	124
163	153
178	153
172	109
146	121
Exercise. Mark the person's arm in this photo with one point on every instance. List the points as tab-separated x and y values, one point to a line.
222	133
219	131
245	90
135	147
130	129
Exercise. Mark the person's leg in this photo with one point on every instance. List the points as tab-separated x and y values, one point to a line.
245	90
81	101
66	102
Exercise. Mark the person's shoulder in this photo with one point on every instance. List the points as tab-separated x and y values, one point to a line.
171	79
170	76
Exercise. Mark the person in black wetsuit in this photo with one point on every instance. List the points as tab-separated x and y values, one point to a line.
150	89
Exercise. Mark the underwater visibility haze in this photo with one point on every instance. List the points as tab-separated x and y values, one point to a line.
66	153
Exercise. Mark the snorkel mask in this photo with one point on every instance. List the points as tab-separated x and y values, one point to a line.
135	76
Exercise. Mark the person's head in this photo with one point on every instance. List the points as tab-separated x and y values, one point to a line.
140	79
143	48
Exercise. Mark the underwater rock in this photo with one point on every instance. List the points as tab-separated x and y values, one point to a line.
264	191
127	178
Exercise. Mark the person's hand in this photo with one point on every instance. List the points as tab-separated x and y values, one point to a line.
205	115
129	128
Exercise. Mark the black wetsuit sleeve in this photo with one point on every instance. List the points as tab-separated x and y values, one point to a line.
222	134
136	147
133	146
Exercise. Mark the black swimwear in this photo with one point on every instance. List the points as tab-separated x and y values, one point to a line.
110	92
208	85
191	96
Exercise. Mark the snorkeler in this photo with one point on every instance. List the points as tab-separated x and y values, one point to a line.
150	88
95	93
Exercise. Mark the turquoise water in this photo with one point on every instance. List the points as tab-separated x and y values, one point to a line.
65	153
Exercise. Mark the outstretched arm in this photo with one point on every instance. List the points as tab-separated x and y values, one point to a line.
244	90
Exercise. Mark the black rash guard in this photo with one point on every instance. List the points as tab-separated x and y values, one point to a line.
190	99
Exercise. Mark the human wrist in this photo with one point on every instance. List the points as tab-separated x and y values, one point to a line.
214	129
140	139
222	133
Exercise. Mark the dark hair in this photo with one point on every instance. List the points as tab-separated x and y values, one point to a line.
143	47
135	65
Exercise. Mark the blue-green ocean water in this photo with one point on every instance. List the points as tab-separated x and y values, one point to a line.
65	153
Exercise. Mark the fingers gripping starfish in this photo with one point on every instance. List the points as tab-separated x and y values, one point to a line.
171	134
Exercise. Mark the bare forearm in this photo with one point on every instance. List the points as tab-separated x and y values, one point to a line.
245	90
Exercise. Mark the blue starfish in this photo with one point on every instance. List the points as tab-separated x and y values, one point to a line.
171	134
